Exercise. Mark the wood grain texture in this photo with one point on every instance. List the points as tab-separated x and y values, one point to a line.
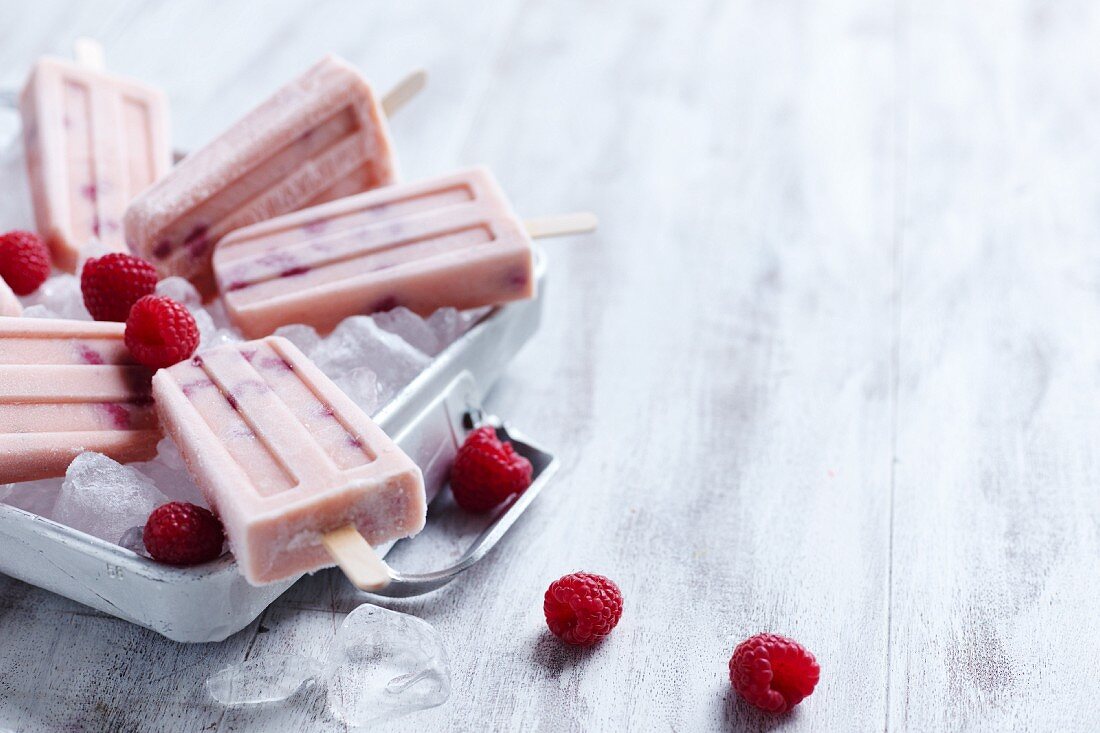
827	369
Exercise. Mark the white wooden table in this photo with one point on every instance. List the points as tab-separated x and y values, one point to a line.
830	368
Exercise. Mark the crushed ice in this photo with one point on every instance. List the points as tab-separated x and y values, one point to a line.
103	498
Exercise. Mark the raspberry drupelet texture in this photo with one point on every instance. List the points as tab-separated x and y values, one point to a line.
161	332
582	608
487	471
24	261
111	284
183	534
772	672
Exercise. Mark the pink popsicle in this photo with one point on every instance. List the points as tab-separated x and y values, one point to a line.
284	456
67	387
320	137
450	241
93	142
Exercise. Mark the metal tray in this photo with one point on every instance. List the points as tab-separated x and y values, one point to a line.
425	419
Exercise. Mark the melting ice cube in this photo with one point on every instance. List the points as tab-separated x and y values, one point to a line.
262	679
384	664
104	498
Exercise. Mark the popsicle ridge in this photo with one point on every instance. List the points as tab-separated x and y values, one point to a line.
284	456
321	136
67	387
452	241
93	142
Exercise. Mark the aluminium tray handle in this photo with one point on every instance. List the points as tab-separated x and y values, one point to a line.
405	585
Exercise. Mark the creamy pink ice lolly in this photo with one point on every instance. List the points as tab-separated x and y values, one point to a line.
67	387
450	241
321	137
93	142
284	456
9	303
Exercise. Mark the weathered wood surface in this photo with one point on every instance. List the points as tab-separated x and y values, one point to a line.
829	367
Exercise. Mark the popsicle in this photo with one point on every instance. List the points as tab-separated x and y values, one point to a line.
321	137
93	141
284	457
450	241
67	387
9	304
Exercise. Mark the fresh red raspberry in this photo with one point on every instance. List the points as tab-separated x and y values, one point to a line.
487	471
582	608
111	284
24	261
161	332
183	534
772	672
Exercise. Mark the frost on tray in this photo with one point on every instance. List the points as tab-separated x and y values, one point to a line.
104	498
384	664
265	678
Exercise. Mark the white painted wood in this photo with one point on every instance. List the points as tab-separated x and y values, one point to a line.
827	368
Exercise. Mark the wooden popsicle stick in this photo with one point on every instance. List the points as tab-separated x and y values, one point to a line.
580	222
405	90
89	53
357	558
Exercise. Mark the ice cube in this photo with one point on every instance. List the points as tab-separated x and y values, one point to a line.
207	329
216	309
60	296
104	498
361	385
134	541
302	336
359	342
39	311
448	324
181	290
170	475
384	664
262	679
430	335
36	497
93	248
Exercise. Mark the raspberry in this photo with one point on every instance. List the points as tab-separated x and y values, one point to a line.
183	534
582	608
772	672
111	284
24	261
160	332
487	471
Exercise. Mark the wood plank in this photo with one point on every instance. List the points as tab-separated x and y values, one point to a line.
714	366
994	622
